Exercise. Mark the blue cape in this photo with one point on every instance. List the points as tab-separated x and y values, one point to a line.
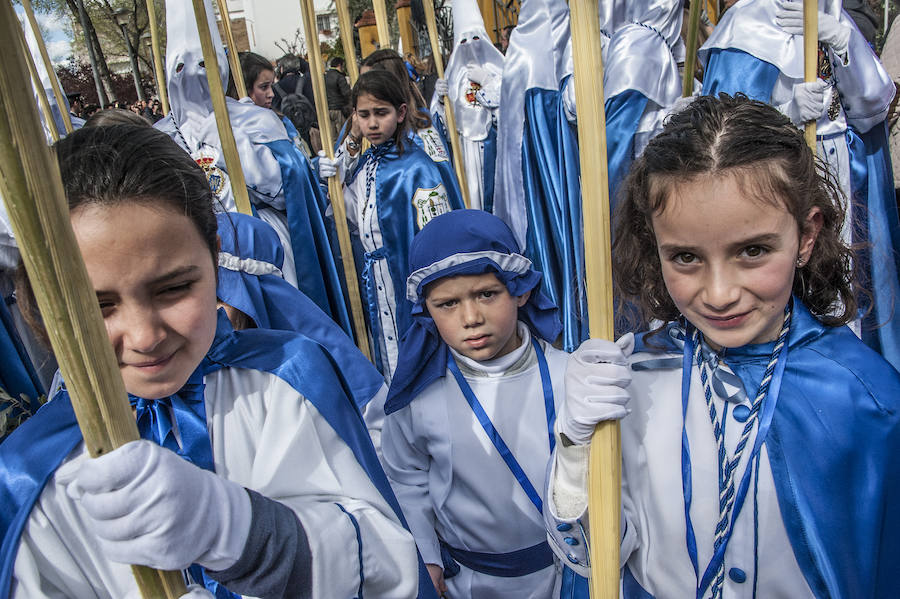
30	456
833	449
397	178
318	275
552	189
273	303
17	376
442	246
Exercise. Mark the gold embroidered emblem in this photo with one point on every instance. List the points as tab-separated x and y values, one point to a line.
430	203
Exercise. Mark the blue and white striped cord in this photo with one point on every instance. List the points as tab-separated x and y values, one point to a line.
727	467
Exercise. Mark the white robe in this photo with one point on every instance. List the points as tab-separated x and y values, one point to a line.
653	523
451	481
268	438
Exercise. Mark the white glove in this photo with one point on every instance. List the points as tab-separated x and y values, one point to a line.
441	87
477	74
808	102
789	16
327	167
195	591
152	508
596	377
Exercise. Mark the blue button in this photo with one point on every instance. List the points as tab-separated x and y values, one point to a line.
572	559
367	235
571	541
563	527
390	338
741	413
831	151
737	575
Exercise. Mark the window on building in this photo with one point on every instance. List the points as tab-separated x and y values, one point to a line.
323	22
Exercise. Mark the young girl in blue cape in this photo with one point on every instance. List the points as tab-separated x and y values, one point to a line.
470	412
759	455
390	191
255	471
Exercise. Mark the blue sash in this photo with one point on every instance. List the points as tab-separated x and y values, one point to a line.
522	561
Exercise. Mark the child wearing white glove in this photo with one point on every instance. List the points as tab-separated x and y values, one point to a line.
755	415
255	473
470	412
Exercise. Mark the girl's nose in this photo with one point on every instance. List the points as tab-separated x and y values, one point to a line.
142	330
721	289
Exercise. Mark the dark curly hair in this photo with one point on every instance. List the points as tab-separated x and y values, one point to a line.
753	141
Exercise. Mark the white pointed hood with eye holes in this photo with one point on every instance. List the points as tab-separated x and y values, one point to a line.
185	71
471	47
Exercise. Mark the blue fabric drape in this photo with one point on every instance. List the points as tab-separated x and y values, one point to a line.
550	172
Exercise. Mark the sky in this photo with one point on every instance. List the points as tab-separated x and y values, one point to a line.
58	34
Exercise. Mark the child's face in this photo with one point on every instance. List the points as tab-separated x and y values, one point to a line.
262	93
156	285
378	120
475	315
728	260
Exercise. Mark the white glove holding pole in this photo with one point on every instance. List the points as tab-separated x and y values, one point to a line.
327	167
441	87
789	16
597	375
194	591
149	507
808	102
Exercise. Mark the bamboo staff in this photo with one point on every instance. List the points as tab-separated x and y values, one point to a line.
157	57
381	24
35	201
448	105
690	57
51	74
810	57
605	466
335	188
223	121
236	72
43	102
343	12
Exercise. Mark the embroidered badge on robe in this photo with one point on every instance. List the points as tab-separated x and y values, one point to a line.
432	145
471	94
206	157
430	203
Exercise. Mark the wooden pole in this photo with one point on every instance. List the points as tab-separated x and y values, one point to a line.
223	121
690	56
810	58
157	57
605	465
48	65
43	102
452	132
335	187
33	193
343	11
381	24
233	60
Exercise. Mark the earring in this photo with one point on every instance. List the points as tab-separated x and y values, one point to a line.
800	262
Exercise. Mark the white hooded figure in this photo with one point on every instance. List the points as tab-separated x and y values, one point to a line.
192	124
47	88
473	74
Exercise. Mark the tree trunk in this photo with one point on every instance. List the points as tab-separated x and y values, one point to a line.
91	37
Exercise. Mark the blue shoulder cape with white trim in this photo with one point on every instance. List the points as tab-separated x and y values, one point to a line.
30	456
842	399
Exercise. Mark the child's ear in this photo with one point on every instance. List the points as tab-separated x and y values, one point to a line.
523	299
401	113
809	232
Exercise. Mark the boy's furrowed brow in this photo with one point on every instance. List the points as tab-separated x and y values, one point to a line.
175	273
